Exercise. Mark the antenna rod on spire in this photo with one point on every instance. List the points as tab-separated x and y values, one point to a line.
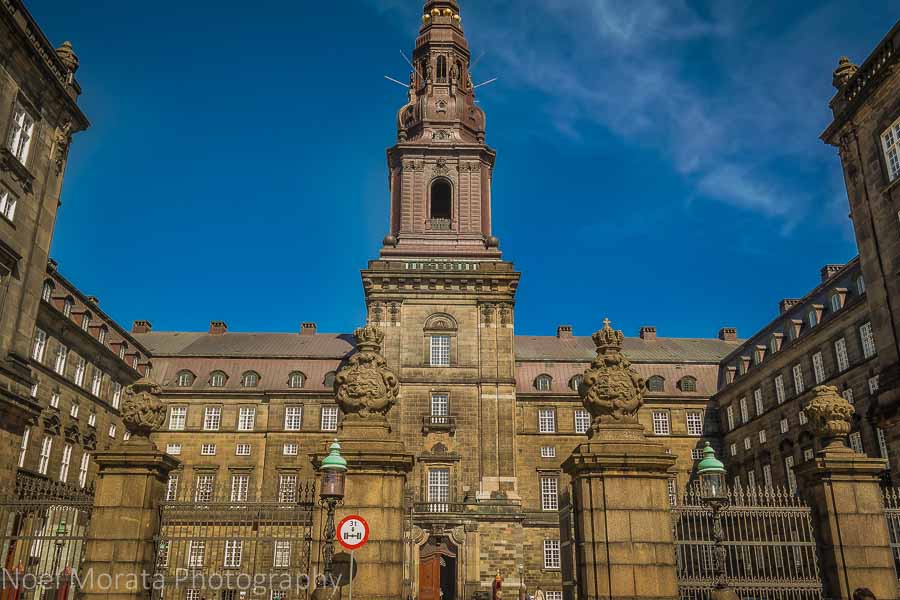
412	65
397	82
488	82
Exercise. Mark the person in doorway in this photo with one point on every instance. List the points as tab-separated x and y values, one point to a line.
539	594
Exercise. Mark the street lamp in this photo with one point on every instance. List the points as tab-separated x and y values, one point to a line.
714	492
334	473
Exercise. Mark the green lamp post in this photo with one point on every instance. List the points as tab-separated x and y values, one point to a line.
334	474
714	491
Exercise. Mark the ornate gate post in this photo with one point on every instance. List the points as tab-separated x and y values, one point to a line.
624	541
119	550
366	389
844	493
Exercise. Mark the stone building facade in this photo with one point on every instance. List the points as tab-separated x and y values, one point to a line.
490	416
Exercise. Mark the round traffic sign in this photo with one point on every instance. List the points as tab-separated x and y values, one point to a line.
353	532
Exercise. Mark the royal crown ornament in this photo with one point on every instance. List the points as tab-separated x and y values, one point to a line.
612	392
142	410
365	386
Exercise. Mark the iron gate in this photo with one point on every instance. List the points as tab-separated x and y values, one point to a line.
771	548
218	547
892	514
44	528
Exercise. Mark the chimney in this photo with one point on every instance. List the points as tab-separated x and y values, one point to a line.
307	329
94	299
828	271
564	331
787	304
218	328
728	334
141	327
648	332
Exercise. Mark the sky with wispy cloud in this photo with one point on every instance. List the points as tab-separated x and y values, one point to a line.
659	160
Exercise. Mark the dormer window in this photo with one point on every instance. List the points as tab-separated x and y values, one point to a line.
656	384
217	379
835	303
441	201
123	348
250	379
688	384
102	334
811	319
575	383
890	141
86	321
67	307
328	382
47	291
860	285
184	379
542	383
296	380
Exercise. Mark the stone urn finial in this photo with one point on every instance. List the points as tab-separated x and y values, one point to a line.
843	73
612	391
67	56
142	410
830	415
365	387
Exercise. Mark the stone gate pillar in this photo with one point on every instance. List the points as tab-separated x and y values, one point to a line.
120	548
624	541
844	493
377	462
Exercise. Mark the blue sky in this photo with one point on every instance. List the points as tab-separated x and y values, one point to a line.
659	161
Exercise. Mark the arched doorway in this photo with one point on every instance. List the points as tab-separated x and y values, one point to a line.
437	569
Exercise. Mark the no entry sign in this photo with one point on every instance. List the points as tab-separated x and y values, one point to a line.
353	532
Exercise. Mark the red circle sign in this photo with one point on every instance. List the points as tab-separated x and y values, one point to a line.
352	532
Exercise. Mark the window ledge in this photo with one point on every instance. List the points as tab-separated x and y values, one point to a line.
19	171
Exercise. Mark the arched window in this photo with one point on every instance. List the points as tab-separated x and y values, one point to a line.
442	68
102	334
67	306
656	384
575	383
86	321
123	348
296	379
441	199
860	285
250	379
184	379
217	379
688	384
47	292
542	383
328	382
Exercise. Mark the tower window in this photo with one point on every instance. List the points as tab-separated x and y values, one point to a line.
442	68
441	199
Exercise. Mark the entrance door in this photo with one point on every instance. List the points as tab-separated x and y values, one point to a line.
430	578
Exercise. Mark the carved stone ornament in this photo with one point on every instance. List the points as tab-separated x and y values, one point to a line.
366	386
142	410
830	415
612	391
843	73
63	139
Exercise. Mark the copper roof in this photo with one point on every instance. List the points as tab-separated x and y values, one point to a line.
660	350
561	373
249	345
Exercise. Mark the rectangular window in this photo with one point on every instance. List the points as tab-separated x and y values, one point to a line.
62	354
546	420
798	380
7	205
553	595
779	389
96	381
840	354
83	469
73	411
729	413
767	475
848	395
293	418
212	418
856	442
54	400
290	449
785	426
46	448
890	141
551	554
80	365
745	411
287	488
440	351
329	418
112	431
242	450
758	401
440	405
64	465
762	436
117	394
39	346
672	489
661	425
177	418
696	453
23	447
751	480
548	452
196	553
747	443
733	449
247	418
208	450
818	367
789	473
203	491
694	420
172	488
173	449
882	444
808	454
240	488
282	557
873	385
21	133
582	420
867	339
439	485
801	417
549	493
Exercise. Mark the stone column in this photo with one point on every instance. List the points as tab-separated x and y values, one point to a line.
624	542
377	462
120	549
842	488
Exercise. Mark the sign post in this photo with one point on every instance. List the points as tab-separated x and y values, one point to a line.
352	533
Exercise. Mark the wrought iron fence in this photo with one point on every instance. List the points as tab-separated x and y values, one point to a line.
44	529
892	514
769	540
212	546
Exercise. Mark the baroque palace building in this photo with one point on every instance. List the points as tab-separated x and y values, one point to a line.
490	415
